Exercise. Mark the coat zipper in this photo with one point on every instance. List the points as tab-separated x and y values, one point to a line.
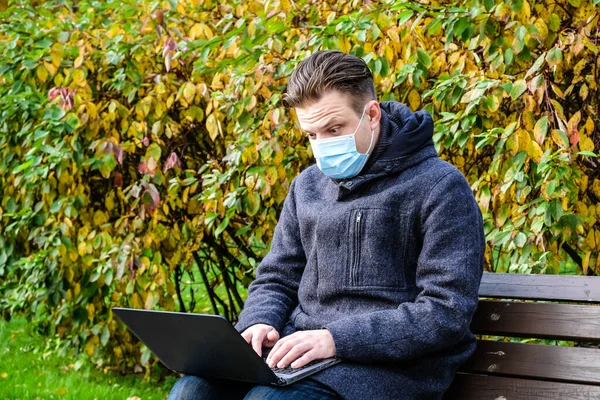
356	249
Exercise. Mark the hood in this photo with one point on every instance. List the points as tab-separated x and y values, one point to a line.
403	132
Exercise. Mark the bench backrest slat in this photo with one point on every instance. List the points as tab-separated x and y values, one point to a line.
485	387
537	320
566	364
540	287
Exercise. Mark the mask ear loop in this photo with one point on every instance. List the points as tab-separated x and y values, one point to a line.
372	135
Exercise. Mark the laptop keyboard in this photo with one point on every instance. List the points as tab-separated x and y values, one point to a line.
289	369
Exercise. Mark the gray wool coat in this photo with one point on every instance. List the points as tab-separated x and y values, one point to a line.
389	262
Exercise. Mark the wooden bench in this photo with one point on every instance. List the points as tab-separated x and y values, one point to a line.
510	370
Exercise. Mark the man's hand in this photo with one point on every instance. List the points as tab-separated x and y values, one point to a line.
260	335
303	347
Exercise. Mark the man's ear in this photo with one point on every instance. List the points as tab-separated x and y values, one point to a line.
374	114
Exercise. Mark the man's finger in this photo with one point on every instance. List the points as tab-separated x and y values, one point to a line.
280	350
247	335
294	353
271	338
305	359
257	340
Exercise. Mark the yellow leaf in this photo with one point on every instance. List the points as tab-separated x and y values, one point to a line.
596	187
42	73
581	208
393	35
586	262
100	218
207	31
583	91
73	255
589	126
196	31
414	100
534	151
189	91
82	248
78	61
79	77
89	348
109	201
585	143
92	110
271	175
4	375
212	126
56	59
91	310
51	68
542	28
252	103
151	300
136	300
523	139
330	17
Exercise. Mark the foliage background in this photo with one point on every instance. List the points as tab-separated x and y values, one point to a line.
145	153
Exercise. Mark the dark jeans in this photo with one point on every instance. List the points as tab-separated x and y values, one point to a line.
194	388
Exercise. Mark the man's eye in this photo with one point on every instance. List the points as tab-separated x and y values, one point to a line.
335	130
312	136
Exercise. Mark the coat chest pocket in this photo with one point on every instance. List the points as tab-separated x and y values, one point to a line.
378	240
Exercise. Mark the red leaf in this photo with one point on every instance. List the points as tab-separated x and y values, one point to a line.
118	179
151	198
171	161
142	167
169	46
118	153
574	138
53	93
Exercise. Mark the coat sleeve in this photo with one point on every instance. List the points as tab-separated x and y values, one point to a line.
274	293
449	270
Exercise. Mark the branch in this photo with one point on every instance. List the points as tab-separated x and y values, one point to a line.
178	289
211	293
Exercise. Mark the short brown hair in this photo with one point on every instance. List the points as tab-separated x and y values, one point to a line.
330	70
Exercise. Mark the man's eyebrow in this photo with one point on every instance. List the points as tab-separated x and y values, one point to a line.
331	121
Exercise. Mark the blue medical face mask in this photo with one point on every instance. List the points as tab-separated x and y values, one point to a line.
337	157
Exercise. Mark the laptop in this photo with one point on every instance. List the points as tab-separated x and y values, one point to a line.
208	346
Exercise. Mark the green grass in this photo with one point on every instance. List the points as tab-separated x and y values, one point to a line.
27	373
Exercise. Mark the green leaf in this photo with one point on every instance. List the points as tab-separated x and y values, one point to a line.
554	23
424	58
518	88
520	239
361	36
105	336
541	129
54	113
551	187
554	56
536	65
588	153
404	16
222	226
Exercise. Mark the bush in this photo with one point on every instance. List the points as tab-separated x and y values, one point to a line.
145	153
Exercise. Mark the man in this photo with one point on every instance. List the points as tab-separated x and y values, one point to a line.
377	256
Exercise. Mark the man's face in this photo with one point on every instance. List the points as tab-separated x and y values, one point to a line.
332	115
